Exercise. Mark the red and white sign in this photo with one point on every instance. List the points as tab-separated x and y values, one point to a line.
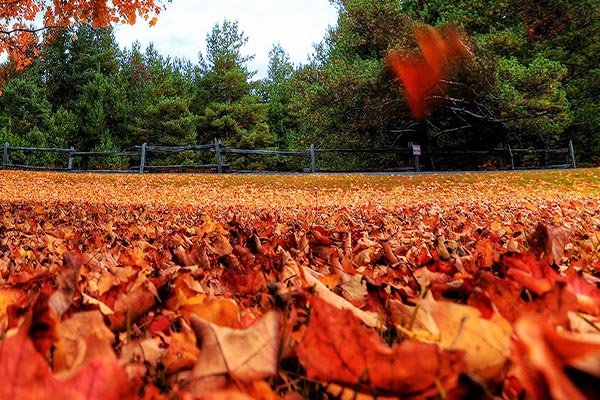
416	150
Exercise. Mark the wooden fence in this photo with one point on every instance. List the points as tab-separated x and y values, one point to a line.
507	158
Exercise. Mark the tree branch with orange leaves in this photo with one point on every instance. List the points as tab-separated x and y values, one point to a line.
22	20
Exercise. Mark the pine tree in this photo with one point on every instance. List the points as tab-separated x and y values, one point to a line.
230	109
80	70
159	91
276	92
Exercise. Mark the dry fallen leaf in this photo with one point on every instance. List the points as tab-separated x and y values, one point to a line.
533	274
540	368
240	354
411	322
61	300
134	303
484	341
10	296
41	324
369	318
28	377
156	249
219	311
80	338
336	348
26	374
104	309
182	352
548	242
145	353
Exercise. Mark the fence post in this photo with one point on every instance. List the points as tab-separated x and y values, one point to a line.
218	155
512	160
5	155
417	163
143	158
70	164
572	151
313	160
501	165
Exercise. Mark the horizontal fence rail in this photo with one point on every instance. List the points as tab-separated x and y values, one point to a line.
507	158
40	149
266	152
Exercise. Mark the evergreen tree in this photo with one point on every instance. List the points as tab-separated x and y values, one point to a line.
74	58
25	108
98	108
231	109
80	71
346	97
26	119
532	101
160	95
576	45
277	93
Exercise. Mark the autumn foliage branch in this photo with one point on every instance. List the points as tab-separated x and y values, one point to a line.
22	20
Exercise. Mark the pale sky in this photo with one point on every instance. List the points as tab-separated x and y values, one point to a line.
182	28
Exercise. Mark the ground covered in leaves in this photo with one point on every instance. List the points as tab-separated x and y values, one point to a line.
312	286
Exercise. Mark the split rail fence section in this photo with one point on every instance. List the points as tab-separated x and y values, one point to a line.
503	158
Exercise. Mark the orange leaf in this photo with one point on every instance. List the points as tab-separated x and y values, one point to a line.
26	374
182	352
535	275
421	76
28	377
10	296
337	348
222	312
540	367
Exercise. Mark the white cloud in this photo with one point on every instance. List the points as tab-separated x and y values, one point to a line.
182	28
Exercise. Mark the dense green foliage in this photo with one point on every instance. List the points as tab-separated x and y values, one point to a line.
533	81
228	106
544	59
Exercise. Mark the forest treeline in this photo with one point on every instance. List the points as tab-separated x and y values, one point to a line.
533	81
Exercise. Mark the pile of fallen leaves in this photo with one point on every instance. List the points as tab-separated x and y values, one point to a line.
186	287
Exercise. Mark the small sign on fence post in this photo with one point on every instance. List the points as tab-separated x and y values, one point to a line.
416	151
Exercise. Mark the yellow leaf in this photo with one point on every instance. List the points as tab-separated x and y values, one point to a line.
485	341
222	312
